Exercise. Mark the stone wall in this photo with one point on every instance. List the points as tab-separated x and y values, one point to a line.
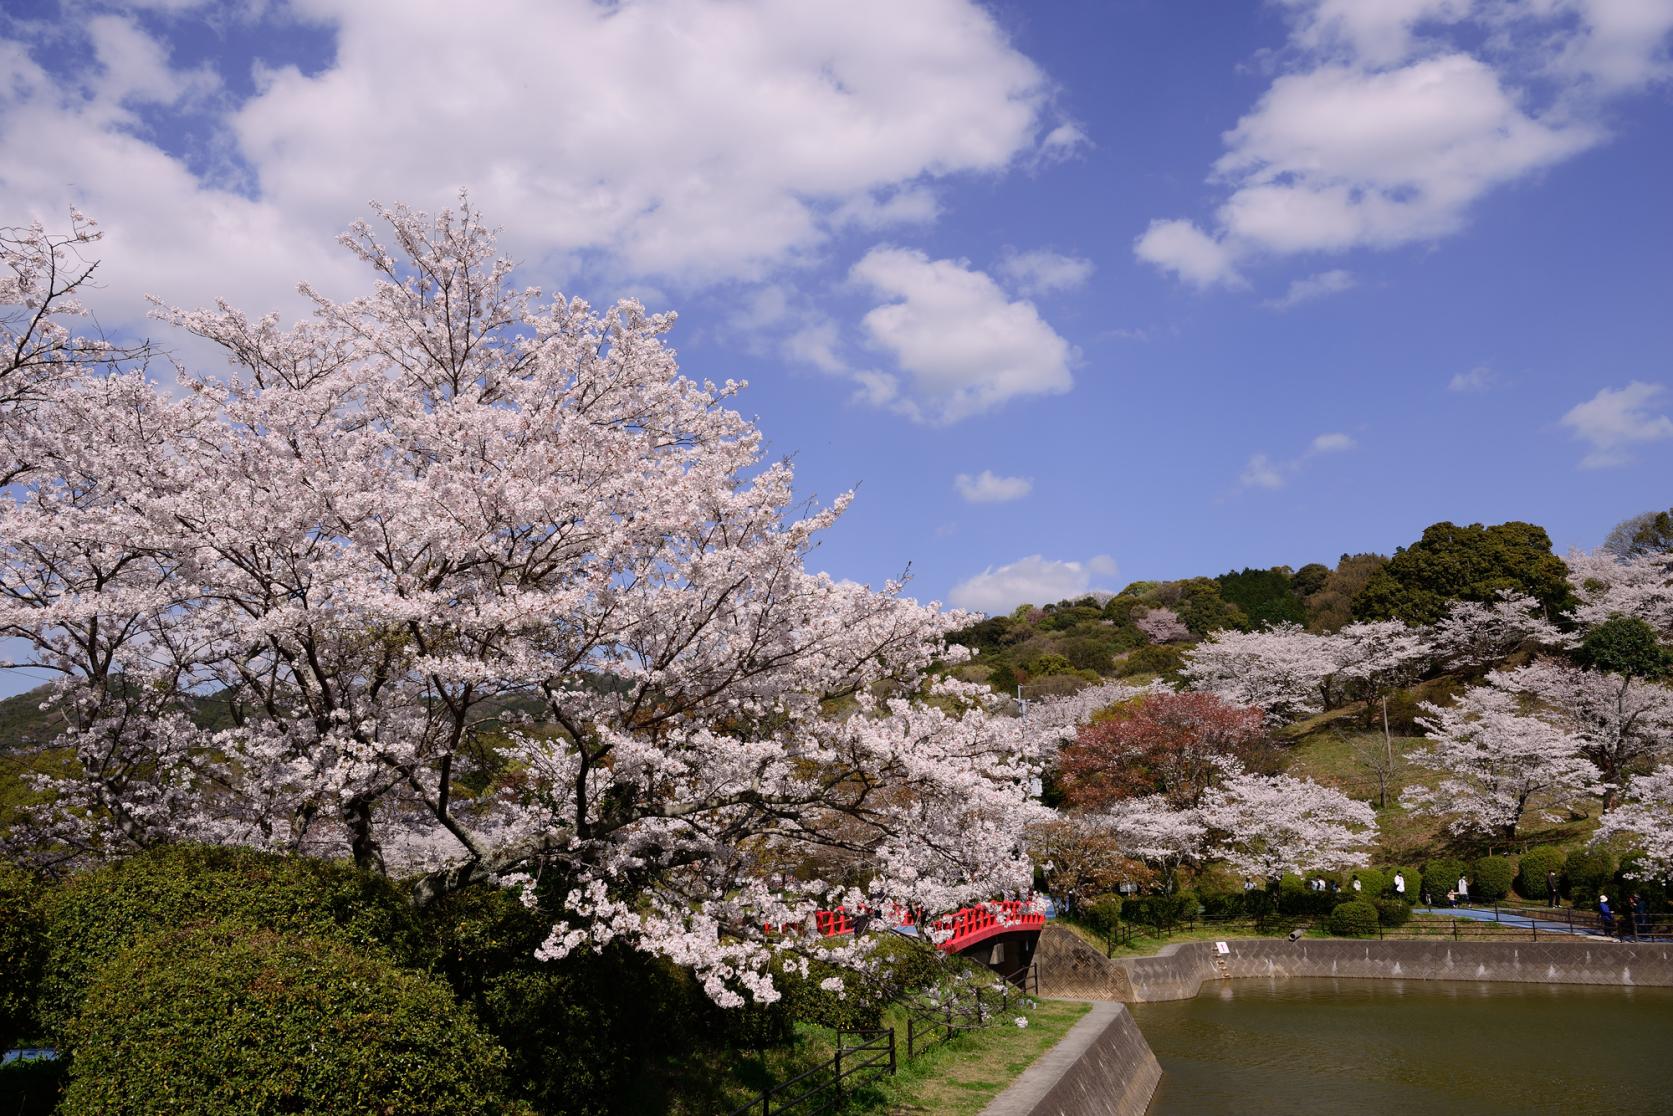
1102	1067
1070	967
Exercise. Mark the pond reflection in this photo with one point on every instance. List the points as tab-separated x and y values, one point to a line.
1313	1045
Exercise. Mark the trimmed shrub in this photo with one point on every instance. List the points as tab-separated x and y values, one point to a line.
1230	904
1490	878
1441	876
1371	883
1296	899
22	948
1414	883
1353	919
1392	912
575	1029
1532	868
226	1019
1588	871
1160	910
1102	914
94	916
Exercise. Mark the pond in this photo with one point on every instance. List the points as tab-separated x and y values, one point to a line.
1318	1045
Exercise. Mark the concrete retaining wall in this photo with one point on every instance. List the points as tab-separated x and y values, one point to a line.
1071	967
1102	1067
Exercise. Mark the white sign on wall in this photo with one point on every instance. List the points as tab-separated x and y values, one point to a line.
1222	947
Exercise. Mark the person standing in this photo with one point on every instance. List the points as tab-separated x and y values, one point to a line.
1551	888
1639	911
1400	884
1356	884
1463	890
1606	916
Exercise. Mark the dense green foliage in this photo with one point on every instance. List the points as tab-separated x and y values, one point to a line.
1531	870
1372	883
217	1020
1472	563
1264	596
1353	919
1588	872
1102	914
1490	878
1392	912
1440	876
97	914
1160	910
22	950
1625	645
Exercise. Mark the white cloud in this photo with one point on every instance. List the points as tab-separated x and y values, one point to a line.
1322	285
962	345
1398	117
1042	271
1262	471
1188	252
1478	379
1063	142
1030	580
988	487
681	141
1615	419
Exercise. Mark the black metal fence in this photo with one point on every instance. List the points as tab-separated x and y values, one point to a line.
827	1087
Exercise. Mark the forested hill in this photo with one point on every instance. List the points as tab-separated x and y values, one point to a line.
1144	629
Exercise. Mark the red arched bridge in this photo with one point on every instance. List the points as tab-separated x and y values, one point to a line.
958	932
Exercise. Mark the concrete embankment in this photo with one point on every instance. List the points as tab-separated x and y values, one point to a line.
1072	968
1102	1067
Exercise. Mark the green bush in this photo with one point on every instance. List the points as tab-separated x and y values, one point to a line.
1633	877
32	1087
228	1019
1441	876
1298	900
1160	910
1371	883
1230	904
1414	882
95	915
1588	871
1491	877
1101	914
22	947
1159	659
1531	871
1353	919
1392	912
575	1029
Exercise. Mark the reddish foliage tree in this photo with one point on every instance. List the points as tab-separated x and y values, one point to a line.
1172	744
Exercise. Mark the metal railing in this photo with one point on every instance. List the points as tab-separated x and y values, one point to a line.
824	1089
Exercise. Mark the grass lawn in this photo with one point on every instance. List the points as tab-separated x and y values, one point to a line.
959	1077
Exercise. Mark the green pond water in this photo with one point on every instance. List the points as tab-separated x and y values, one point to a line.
1344	1047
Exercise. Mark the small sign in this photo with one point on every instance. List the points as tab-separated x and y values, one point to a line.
1222	947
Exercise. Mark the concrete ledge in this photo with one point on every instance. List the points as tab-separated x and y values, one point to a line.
1069	967
1102	1067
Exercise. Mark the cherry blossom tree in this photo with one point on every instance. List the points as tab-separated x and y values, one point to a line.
1499	764
41	276
1375	659
1283	669
1645	818
1474	634
1621	724
1267	825
1174	744
1152	830
1162	625
480	585
1606	585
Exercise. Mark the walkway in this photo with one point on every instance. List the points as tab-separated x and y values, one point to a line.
1504	916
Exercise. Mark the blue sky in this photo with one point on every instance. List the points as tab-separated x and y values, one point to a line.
1174	287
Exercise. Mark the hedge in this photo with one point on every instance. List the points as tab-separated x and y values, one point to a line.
1441	876
1414	882
1160	910
1587	872
95	915
1491	877
1101	914
22	948
1353	919
1372	883
227	1019
1392	912
1531	871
